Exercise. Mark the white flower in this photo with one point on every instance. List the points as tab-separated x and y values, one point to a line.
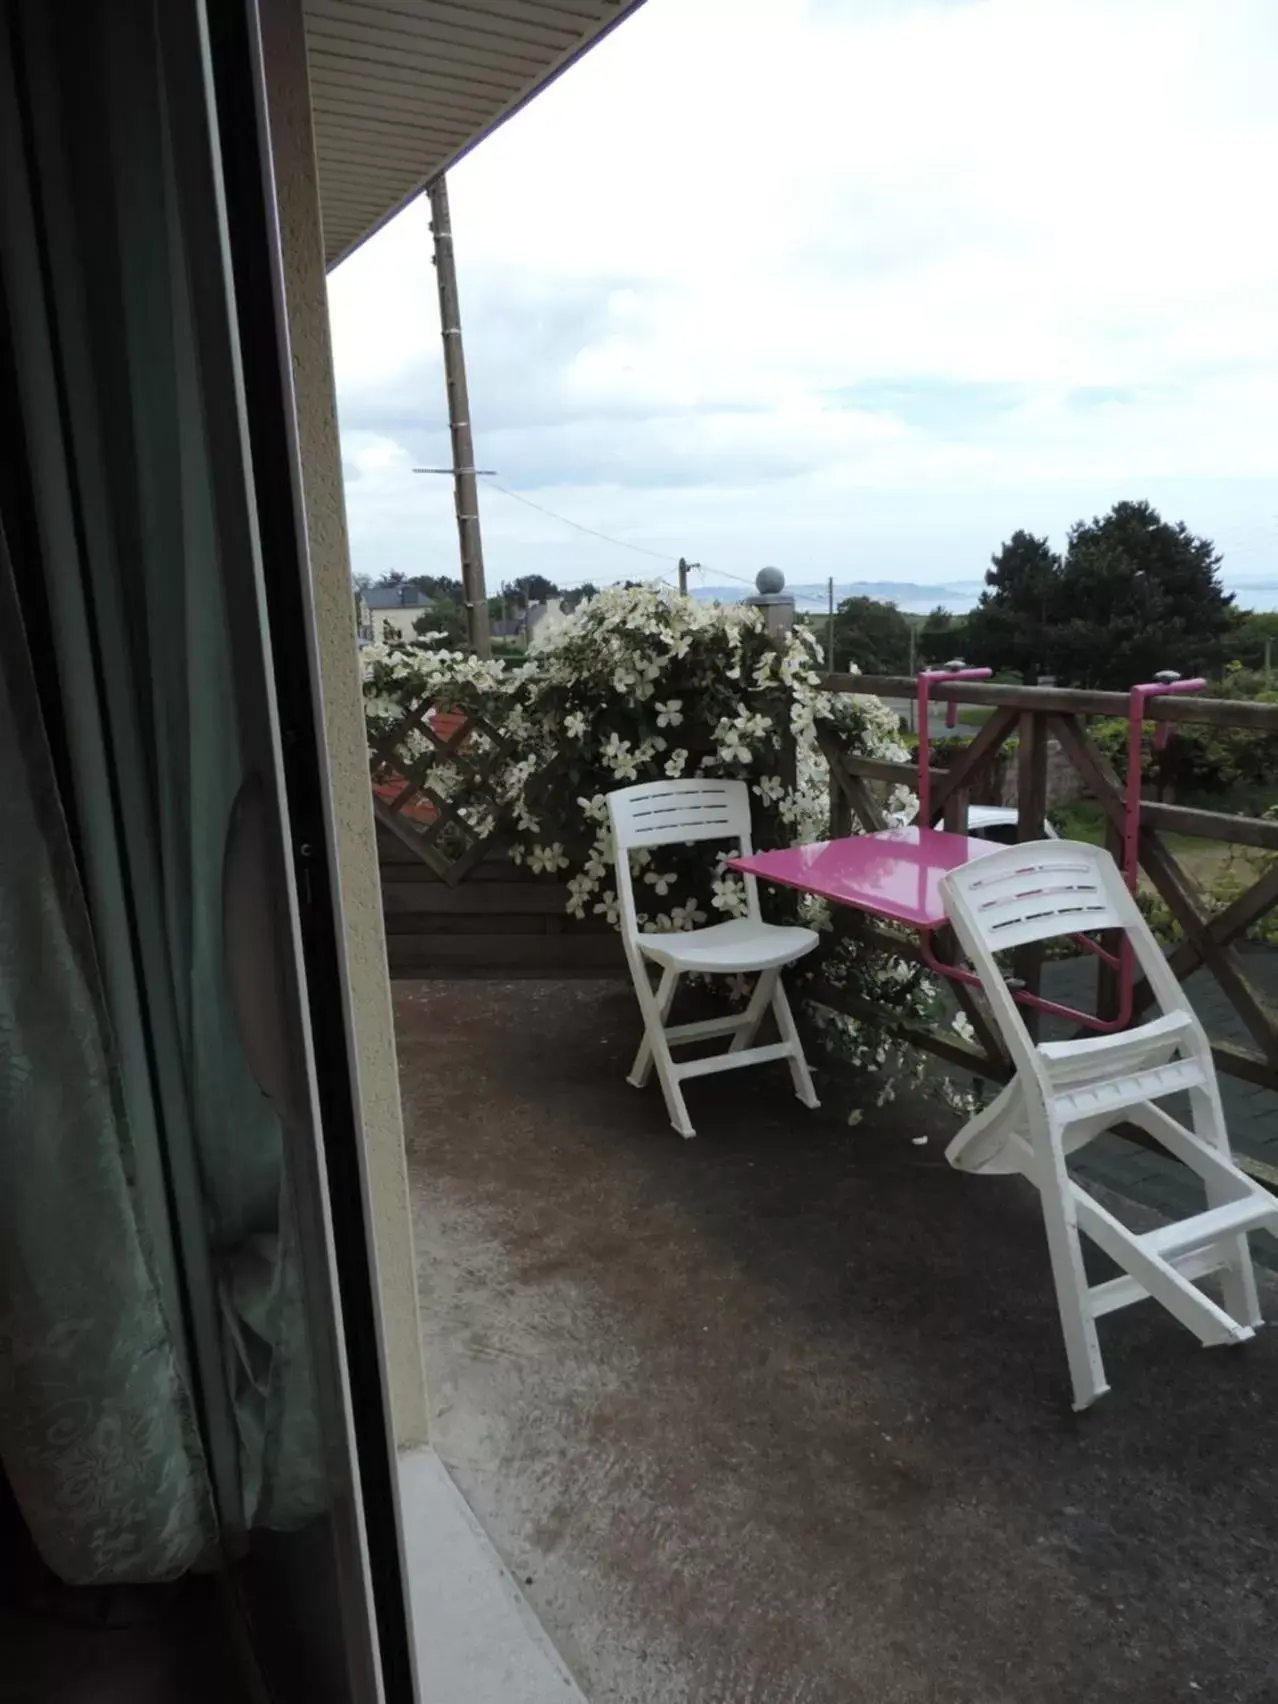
730	896
609	908
619	758
675	763
543	859
687	916
596	809
669	714
662	883
580	888
733	750
575	725
962	1027
816	914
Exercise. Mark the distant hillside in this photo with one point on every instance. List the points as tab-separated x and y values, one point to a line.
957	596
906	594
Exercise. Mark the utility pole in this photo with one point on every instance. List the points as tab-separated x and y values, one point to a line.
465	487
829	627
684	569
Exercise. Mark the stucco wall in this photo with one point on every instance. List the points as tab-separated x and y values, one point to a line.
307	304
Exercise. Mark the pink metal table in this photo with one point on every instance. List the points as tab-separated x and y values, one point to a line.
894	874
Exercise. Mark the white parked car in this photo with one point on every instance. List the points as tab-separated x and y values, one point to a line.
998	822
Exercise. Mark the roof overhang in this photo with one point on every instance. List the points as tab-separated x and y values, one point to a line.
401	89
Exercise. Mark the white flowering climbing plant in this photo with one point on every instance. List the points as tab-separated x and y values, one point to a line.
638	684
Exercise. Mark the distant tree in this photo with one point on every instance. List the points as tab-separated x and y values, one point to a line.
1015	621
579	594
872	636
536	588
1254	631
444	616
361	582
394	578
440	586
939	638
1137	595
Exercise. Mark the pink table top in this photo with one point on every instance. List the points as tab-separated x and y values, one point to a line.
893	874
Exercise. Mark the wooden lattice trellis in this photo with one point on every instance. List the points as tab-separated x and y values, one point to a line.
453	902
451	833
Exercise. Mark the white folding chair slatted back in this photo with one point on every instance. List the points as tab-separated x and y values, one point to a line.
1064	1094
653	814
1041	891
661	813
1032	897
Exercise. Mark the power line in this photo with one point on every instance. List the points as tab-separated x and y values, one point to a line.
726	575
541	508
593	532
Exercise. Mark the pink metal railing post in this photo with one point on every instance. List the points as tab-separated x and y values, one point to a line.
951	671
1140	695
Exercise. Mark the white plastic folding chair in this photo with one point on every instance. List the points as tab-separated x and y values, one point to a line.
1065	1093
666	813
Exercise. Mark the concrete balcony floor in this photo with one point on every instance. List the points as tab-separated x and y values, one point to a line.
780	1415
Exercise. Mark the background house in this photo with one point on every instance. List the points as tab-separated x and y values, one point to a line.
392	610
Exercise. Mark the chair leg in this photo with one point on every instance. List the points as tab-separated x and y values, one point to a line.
760	995
1082	1346
658	1048
642	1067
800	1075
991	1141
1237	1278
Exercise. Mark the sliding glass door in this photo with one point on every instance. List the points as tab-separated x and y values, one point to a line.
156	564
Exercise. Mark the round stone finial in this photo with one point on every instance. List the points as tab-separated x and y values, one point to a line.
769	581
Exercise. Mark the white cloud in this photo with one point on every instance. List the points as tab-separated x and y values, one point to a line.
830	284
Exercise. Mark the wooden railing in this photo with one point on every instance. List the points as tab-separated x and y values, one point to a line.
1036	717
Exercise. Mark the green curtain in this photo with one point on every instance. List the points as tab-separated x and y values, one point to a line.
113	393
97	1430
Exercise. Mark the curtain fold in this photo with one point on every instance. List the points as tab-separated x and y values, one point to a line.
97	1429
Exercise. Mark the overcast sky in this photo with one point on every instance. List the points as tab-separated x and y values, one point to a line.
856	287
